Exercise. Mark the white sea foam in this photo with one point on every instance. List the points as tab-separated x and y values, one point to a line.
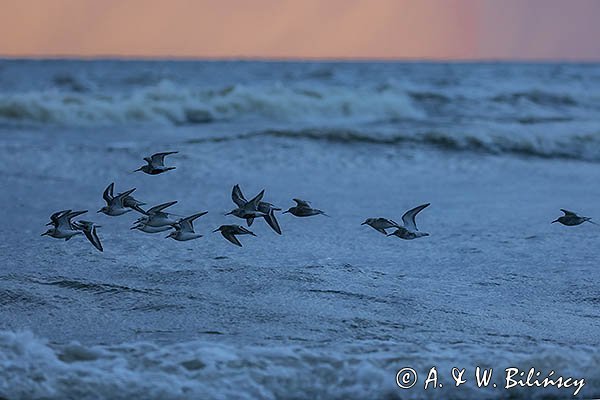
169	103
33	369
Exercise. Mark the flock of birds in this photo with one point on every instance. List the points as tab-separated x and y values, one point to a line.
156	219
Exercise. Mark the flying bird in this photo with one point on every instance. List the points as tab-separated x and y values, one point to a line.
156	163
267	209
156	217
229	232
572	219
62	227
184	228
304	209
410	231
247	210
115	205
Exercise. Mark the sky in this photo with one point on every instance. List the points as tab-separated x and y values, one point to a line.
332	29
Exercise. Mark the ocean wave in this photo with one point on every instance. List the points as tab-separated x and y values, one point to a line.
578	147
172	104
31	368
538	97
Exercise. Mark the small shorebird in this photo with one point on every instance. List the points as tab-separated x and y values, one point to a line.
184	228
63	228
247	210
410	231
572	219
89	230
303	209
381	224
229	232
156	163
155	217
115	205
267	209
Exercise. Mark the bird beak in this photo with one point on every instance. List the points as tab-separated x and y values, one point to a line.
99	211
554	221
229	213
390	234
364	223
252	233
44	234
216	230
139	169
49	223
285	212
168	236
133	227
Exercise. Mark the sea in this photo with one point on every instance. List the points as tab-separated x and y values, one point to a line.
330	309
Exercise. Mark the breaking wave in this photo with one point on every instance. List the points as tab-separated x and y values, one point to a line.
171	104
578	147
34	369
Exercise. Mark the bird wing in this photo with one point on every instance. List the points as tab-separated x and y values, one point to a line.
567	212
272	221
91	235
187	223
238	197
231	237
64	220
409	217
120	198
158	159
393	223
302	203
54	218
83	225
253	204
160	207
108	193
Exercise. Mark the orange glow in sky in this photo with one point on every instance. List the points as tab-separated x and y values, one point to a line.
415	29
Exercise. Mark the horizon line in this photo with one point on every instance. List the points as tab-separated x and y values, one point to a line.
116	57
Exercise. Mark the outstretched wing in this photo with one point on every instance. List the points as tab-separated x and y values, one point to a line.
54	218
302	203
231	237
89	230
253	204
158	159
119	199
238	197
272	221
160	207
394	223
64	221
187	223
409	217
108	193
567	212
